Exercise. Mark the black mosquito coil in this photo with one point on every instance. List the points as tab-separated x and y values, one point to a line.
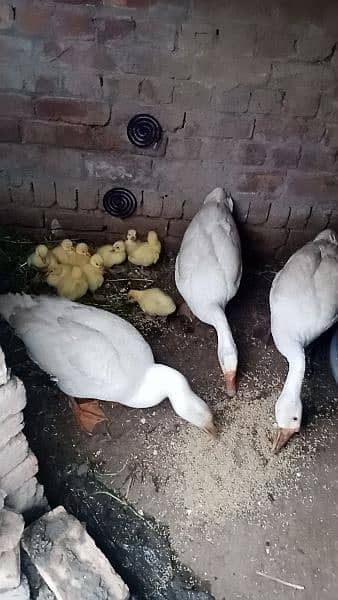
119	202
144	131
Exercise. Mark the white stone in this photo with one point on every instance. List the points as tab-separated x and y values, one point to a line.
12	398
11	529
20	474
13	453
10	427
29	498
3	368
10	569
69	561
22	592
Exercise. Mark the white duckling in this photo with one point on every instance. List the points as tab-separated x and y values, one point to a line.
146	253
208	273
303	304
113	254
73	284
92	353
41	257
93	271
64	252
131	241
55	273
81	256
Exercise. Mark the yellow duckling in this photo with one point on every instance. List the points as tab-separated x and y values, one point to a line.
131	242
41	257
94	272
153	301
64	252
81	256
146	253
73	285
56	272
113	254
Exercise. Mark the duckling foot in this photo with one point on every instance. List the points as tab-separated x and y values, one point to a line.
87	414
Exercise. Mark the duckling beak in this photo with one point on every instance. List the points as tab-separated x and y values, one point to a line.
282	437
210	430
230	383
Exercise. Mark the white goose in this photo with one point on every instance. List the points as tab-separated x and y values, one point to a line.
208	273
303	304
92	353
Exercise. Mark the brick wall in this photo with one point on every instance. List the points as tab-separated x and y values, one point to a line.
245	90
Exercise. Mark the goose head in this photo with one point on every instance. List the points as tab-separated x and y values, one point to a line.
228	359
288	412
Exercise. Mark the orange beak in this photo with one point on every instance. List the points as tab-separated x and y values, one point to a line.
230	383
283	435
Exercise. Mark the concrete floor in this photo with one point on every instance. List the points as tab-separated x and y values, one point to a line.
292	535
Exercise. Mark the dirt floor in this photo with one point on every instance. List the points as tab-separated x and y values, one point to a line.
228	508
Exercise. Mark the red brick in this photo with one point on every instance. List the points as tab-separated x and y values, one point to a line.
283	129
112	29
296	240
299	215
265	101
23	217
39	132
157	91
301	102
14	46
33	18
274	43
129	3
217	125
236	100
278	215
331	136
329	108
80	2
87	54
72	23
319	218
316	158
66	195
72	110
191	94
181	148
316	186
251	153
16	105
258	211
141	224
74	136
334	220
48	84
177	228
88	194
6	15
22	195
285	156
9	130
151	203
44	193
76	221
261	243
259	182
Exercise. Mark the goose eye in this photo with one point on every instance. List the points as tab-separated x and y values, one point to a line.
295	419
